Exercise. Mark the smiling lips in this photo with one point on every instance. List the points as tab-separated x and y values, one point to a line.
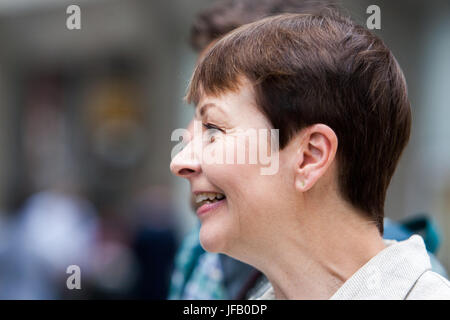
207	201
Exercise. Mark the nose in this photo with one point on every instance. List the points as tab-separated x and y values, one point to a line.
185	163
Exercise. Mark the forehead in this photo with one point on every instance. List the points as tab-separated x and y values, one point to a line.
234	108
227	102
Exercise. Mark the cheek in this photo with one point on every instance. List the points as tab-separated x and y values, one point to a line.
239	161
240	168
245	187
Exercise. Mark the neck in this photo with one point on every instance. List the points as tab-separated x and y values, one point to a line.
316	255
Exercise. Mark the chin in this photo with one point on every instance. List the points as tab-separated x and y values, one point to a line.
213	236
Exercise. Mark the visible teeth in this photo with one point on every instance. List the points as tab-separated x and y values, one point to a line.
208	196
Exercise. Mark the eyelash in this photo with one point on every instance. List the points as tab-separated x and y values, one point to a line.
209	126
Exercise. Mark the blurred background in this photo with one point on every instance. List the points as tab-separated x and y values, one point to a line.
85	123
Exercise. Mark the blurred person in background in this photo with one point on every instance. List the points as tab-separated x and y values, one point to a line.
51	225
52	231
202	275
80	202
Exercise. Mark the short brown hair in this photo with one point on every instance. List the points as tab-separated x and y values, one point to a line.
308	69
224	16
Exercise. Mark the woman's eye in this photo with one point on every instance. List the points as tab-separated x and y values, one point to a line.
210	126
211	131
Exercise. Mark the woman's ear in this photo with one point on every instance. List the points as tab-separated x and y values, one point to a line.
316	153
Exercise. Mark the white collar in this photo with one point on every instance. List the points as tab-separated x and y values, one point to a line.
391	274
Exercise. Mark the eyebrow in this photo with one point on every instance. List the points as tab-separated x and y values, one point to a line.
202	110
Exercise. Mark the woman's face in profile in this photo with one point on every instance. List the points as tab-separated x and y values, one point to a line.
246	201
